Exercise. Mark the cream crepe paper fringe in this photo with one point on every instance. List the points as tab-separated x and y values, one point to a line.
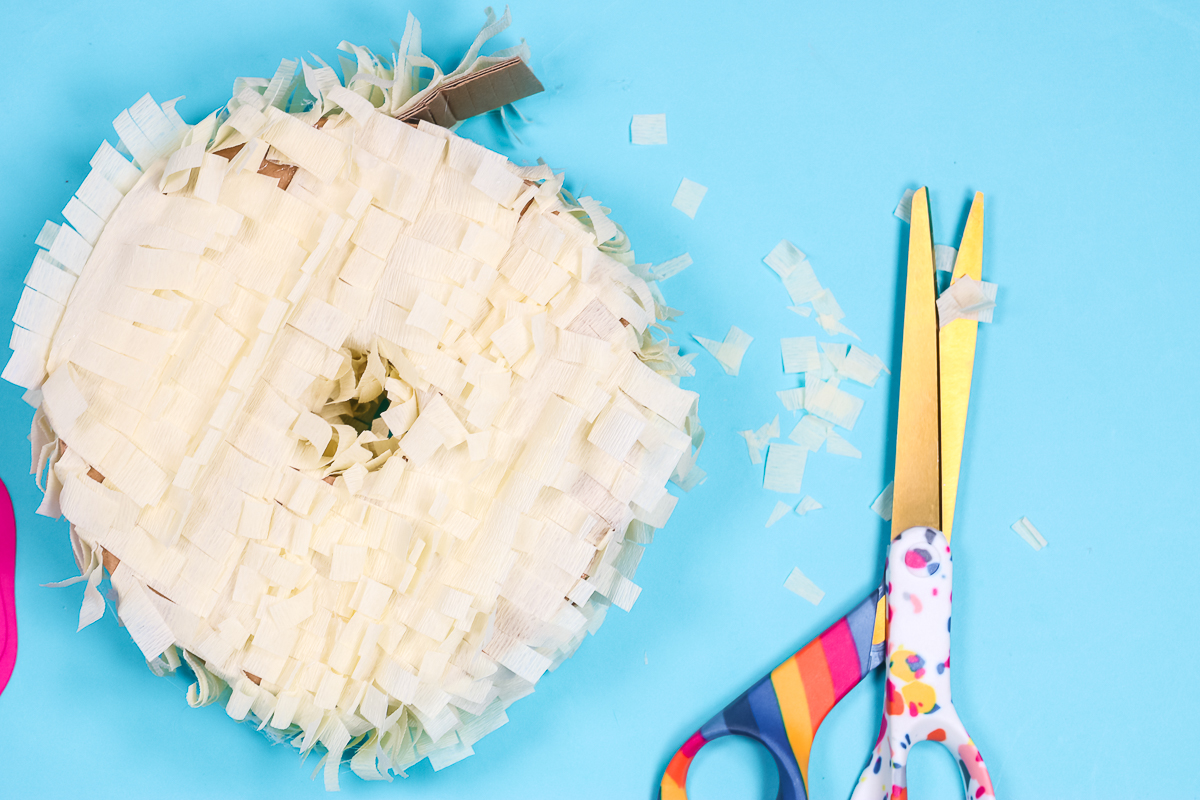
367	423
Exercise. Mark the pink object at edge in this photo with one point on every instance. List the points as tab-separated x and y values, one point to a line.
8	607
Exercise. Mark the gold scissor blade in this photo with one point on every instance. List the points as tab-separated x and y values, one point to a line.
918	483
957	354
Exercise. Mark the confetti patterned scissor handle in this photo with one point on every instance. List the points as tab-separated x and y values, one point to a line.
784	709
917	705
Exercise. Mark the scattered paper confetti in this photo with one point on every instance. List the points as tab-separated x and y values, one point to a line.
800	354
838	446
944	256
784	258
799	584
820	401
1026	531
792	399
785	468
802	284
757	440
861	367
904	207
648	129
728	353
671	267
833	326
833	357
781	509
827	401
966	298
810	432
806	505
688	197
827	306
883	504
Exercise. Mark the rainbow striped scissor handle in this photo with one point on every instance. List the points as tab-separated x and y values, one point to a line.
784	709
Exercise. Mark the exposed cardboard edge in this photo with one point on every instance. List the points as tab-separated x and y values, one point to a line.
477	93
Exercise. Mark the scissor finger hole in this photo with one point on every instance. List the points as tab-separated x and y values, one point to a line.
733	768
933	773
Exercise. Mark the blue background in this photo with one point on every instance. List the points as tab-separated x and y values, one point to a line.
1075	666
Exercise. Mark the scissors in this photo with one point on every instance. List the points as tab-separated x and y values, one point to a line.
905	622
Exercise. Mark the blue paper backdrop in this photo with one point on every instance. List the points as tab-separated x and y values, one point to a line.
1075	666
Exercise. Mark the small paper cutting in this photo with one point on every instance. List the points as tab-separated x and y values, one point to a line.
801	283
1026	531
688	197
784	258
780	510
792	399
943	257
904	207
883	504
757	440
806	505
728	353
966	298
861	367
810	432
800	354
799	584
648	129
838	446
671	267
785	468
829	402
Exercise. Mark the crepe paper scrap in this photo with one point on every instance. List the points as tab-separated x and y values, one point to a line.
811	432
785	468
688	197
728	353
757	440
605	228
671	267
861	367
780	511
799	584
802	284
834	326
826	305
966	298
800	354
792	399
904	207
753	446
827	401
804	311
784	258
944	256
694	478
806	505
648	129
306	520
1026	531
833	355
838	446
883	504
